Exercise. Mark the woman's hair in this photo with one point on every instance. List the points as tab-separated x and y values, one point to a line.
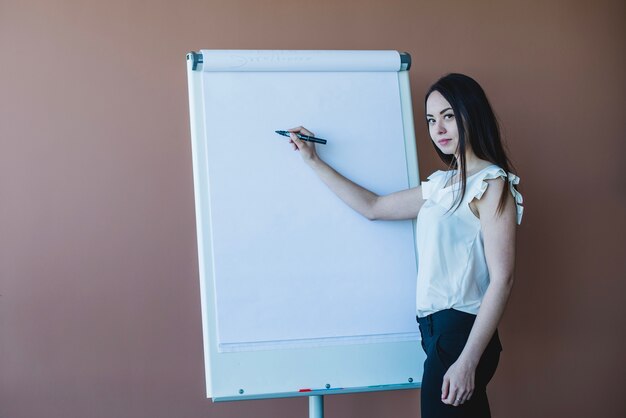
477	123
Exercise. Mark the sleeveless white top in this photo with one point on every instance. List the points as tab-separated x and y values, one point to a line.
452	269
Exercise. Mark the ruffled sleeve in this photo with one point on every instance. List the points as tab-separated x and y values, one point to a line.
512	179
429	186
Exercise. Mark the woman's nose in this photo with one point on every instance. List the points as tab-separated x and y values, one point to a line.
440	128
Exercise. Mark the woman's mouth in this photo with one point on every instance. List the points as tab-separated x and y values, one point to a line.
444	141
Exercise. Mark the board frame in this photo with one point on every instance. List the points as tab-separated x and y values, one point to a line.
246	375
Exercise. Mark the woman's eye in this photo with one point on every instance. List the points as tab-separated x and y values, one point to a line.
430	120
449	116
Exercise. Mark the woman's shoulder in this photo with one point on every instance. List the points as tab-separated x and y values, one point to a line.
491	174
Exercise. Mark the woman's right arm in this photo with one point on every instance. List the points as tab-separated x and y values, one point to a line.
404	204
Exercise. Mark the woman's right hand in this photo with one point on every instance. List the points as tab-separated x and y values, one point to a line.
306	148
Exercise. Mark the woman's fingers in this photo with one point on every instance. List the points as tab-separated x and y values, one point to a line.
297	142
445	388
453	395
306	148
301	130
302	145
458	399
456	396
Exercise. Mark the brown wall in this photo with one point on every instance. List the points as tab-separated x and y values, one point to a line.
99	297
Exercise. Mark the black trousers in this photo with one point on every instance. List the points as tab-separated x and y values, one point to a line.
444	335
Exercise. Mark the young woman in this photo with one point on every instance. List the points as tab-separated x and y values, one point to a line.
466	220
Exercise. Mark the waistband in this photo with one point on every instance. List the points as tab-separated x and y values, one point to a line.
446	321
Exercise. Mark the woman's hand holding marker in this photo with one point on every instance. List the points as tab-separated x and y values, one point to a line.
306	148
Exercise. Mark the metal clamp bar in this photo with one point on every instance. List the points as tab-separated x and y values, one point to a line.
405	61
196	57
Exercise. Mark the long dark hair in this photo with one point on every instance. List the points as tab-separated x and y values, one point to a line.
475	121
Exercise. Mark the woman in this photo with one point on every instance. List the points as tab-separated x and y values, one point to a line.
466	220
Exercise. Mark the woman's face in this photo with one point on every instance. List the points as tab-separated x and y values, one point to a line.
442	123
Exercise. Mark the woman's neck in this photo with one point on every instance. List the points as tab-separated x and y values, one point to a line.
472	163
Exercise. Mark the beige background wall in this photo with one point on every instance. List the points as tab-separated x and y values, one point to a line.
99	298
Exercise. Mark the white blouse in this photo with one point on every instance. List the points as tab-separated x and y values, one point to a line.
452	269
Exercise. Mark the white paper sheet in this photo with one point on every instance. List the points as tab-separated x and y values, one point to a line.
291	261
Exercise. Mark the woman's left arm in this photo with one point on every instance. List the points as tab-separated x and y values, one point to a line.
498	231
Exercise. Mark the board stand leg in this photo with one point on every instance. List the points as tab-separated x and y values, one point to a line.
316	406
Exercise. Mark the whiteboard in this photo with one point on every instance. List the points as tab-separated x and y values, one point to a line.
298	291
